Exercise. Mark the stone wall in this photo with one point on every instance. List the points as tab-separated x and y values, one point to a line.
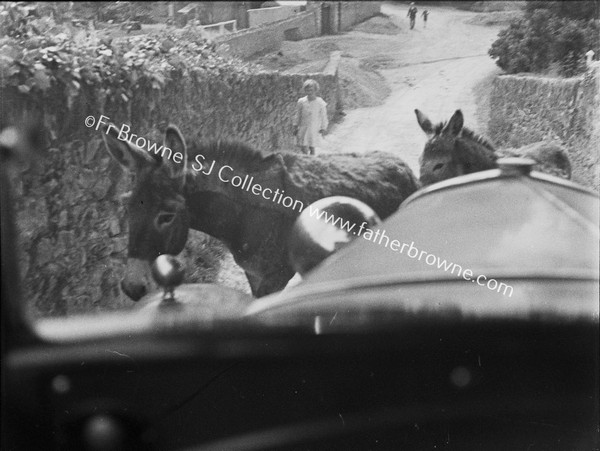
268	38
72	226
526	109
356	12
262	16
214	12
344	15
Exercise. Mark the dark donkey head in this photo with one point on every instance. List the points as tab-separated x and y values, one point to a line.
452	150
157	212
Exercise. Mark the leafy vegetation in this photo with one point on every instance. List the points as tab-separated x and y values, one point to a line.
59	66
551	33
38	54
115	11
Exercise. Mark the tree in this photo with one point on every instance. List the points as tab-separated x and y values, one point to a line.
550	32
579	10
569	48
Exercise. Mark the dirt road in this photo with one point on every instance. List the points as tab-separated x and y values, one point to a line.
435	69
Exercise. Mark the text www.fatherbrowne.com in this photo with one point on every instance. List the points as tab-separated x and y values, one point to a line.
278	197
379	236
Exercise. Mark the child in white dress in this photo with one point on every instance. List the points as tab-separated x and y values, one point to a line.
311	118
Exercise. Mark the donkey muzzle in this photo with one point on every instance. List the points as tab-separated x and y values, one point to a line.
137	280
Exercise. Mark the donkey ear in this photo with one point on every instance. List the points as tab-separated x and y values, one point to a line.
129	156
424	122
455	124
175	164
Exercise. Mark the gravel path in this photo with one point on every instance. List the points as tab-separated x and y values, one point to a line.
437	69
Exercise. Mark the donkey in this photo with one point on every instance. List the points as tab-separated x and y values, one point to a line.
168	198
454	150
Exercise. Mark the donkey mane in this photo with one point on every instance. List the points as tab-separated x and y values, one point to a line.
237	153
469	134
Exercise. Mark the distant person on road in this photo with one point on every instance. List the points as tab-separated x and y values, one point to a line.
425	13
412	13
311	118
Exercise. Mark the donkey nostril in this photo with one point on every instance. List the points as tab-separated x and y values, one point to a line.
135	292
438	166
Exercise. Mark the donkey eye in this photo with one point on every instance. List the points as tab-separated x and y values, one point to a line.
164	219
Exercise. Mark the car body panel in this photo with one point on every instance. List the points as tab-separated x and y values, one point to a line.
528	231
373	350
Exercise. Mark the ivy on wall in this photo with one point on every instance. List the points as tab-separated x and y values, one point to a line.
38	56
72	226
